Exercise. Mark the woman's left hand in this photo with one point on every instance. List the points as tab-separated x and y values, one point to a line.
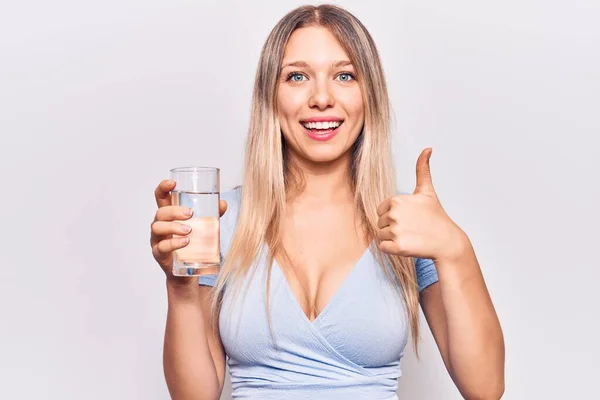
416	225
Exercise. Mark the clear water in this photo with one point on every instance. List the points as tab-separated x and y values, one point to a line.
202	254
203	204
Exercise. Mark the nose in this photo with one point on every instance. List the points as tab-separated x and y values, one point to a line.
321	97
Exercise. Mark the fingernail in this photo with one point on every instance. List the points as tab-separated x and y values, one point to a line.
188	212
184	240
171	183
186	228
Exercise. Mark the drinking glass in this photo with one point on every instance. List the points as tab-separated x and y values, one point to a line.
198	189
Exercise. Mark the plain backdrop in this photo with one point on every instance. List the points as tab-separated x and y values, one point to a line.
99	99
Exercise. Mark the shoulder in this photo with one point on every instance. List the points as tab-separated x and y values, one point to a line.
232	197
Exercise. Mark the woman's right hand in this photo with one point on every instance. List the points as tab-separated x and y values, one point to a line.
163	228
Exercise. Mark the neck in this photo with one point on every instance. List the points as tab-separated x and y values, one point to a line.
323	182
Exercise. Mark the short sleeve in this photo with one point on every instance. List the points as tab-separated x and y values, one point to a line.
207	280
227	227
426	272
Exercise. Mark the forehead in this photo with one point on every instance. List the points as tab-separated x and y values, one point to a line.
315	45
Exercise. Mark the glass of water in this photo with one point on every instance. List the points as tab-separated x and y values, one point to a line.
198	189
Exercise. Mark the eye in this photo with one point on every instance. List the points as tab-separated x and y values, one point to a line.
293	75
346	76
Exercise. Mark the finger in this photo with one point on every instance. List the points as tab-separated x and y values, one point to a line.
387	246
424	183
164	228
165	247
173	213
385	220
222	207
162	193
384	206
386	234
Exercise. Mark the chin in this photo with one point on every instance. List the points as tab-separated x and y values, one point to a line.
323	154
320	151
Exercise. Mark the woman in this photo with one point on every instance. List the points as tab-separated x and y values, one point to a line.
325	264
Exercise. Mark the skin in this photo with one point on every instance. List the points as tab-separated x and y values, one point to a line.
324	239
321	233
318	231
193	356
458	307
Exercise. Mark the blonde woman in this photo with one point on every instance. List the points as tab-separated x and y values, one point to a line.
325	263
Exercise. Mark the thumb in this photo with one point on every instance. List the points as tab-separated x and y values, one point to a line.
222	207
424	182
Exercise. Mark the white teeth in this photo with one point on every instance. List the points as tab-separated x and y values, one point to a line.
322	125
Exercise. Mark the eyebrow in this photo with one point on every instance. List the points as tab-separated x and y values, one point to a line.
302	64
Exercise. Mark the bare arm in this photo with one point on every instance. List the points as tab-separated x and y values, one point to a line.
193	356
466	328
458	308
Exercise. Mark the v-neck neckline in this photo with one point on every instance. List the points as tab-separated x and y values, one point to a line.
334	297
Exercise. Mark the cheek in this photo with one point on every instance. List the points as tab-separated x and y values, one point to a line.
290	102
353	103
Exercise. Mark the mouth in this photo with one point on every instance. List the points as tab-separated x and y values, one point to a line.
322	131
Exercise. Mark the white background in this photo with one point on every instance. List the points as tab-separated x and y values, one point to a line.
99	99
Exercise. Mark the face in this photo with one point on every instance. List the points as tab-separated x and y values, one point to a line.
319	102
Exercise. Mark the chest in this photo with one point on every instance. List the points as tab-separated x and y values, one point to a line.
364	325
321	248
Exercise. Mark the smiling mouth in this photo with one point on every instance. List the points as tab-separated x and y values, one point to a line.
321	127
322	131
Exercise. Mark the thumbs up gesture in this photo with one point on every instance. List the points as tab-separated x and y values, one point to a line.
416	225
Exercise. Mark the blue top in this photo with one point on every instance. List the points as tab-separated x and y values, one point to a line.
353	347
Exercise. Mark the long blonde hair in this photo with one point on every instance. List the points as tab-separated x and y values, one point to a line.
267	173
